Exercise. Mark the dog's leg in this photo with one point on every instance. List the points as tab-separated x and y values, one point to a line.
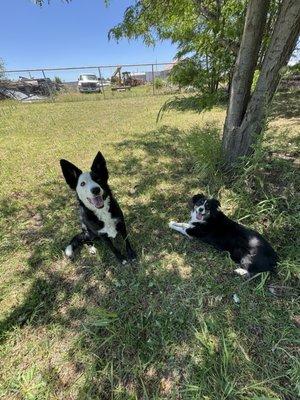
77	242
131	254
181	227
116	252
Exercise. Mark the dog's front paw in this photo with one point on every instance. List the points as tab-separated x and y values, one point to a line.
92	250
69	251
242	272
172	224
131	255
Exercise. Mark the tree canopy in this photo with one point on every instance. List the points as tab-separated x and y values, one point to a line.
207	34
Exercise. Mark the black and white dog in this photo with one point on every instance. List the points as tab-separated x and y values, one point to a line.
100	214
246	246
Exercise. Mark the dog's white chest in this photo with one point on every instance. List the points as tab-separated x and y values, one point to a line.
109	223
109	228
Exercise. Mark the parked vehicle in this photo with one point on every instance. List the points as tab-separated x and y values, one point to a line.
89	84
124	80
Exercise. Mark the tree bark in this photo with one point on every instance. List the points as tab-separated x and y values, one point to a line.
238	139
245	66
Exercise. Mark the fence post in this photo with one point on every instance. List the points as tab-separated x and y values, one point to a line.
153	85
50	90
100	77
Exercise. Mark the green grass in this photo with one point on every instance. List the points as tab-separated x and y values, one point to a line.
108	94
165	327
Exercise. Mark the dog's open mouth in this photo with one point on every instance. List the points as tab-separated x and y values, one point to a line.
200	216
96	201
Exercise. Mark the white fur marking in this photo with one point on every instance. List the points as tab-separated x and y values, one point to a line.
69	251
109	223
236	298
241	272
103	213
179	224
194	216
179	227
85	191
253	242
92	250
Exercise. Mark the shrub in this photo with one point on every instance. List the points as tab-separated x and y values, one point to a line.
158	83
57	80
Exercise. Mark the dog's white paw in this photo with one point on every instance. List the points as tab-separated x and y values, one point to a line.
172	224
241	272
92	250
69	251
124	262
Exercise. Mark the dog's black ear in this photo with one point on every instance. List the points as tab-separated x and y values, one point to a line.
215	204
99	167
71	173
198	197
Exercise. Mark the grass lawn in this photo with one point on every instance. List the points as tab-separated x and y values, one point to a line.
165	327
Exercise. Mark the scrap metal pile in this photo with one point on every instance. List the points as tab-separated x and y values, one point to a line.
28	89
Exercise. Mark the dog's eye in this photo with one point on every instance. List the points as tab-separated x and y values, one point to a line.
82	184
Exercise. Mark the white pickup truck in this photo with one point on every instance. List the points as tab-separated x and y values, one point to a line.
88	84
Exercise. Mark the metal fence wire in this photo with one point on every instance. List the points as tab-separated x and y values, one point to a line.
100	81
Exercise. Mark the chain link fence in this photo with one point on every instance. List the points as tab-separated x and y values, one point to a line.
88	82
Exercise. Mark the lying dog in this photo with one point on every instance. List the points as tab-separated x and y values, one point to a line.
246	246
100	214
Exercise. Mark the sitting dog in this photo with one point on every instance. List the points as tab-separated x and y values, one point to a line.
100	214
246	246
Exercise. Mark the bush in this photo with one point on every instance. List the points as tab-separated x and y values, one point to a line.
57	80
158	83
191	72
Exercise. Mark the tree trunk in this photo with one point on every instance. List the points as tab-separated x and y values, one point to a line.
239	136
244	69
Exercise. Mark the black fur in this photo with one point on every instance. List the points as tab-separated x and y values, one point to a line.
70	172
91	224
227	235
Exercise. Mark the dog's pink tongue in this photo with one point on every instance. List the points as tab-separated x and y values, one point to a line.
199	216
97	201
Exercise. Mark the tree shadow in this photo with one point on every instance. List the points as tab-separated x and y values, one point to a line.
196	102
286	104
136	323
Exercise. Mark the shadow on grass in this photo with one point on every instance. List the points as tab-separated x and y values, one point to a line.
286	104
196	102
138	323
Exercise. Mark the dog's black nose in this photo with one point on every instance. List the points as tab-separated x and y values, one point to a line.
95	190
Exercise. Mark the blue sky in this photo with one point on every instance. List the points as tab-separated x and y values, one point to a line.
74	34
